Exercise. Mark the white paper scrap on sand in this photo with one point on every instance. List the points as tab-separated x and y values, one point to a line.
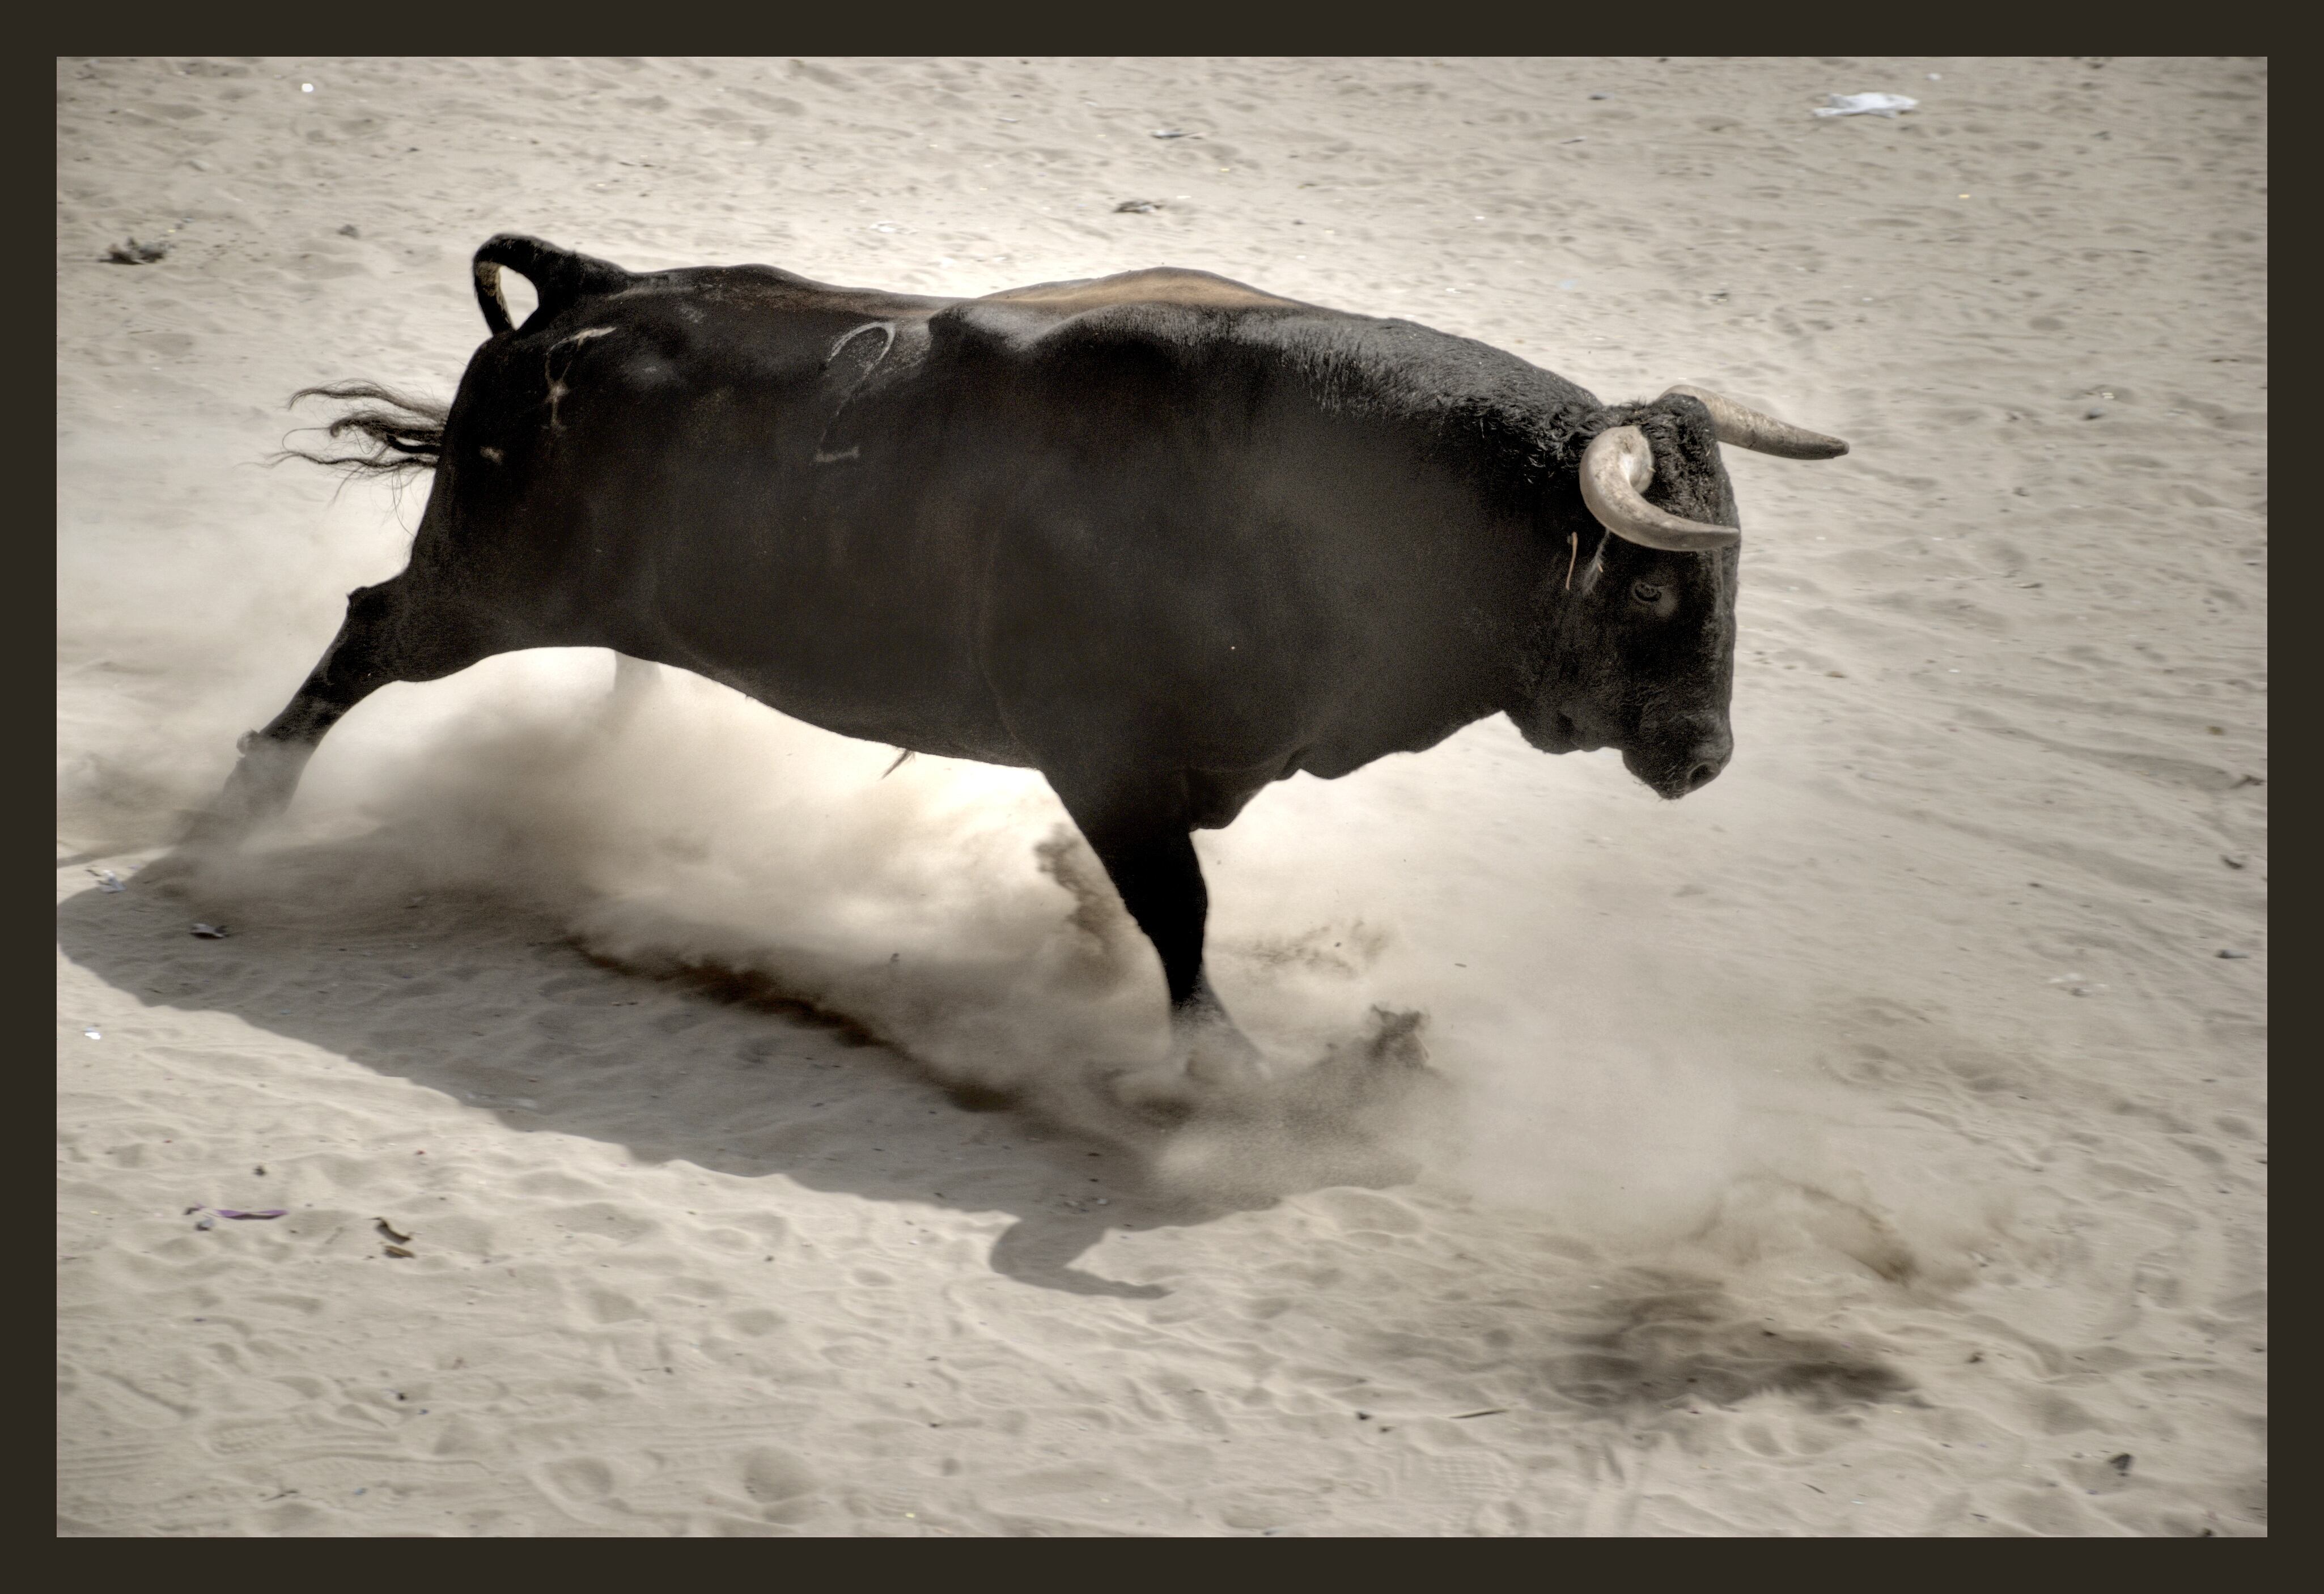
1866	104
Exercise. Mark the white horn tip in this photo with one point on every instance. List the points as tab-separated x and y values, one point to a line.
1743	426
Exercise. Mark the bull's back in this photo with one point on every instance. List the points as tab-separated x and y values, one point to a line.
658	471
864	509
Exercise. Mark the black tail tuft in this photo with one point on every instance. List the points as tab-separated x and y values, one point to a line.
403	433
560	276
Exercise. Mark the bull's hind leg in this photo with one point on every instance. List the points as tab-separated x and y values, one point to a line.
395	631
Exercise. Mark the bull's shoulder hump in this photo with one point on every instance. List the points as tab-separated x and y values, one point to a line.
1156	285
1163	306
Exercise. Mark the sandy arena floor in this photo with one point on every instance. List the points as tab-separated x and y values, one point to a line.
1873	1143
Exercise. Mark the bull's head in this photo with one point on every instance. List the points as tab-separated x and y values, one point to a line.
1640	639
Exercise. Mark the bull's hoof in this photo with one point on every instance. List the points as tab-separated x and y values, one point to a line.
1164	1097
221	825
1208	1064
1395	1040
1218	1054
262	786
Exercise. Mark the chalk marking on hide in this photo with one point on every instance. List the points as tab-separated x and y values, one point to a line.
557	386
887	329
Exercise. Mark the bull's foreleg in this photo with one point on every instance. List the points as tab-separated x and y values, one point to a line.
636	683
1140	834
389	635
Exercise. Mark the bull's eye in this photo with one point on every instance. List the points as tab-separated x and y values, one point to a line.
1647	593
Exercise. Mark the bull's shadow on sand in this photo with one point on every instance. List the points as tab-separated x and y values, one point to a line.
491	1003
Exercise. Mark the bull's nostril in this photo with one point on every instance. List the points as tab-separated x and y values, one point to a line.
1700	776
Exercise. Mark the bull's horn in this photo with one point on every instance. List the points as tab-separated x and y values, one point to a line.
1614	468
1762	434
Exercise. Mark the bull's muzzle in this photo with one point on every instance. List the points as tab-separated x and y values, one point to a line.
1676	765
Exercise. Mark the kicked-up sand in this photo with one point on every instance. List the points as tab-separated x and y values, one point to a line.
677	1128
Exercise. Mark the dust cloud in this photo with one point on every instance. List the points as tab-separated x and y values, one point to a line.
1410	946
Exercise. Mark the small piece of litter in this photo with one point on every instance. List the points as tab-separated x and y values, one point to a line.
133	253
2225	953
389	1229
1491	1412
2120	1463
206	1223
106	880
1602	96
1866	104
350	231
1136	207
94	1033
2231	860
310	88
209	932
1573	141
396	1250
1174	132
238	1213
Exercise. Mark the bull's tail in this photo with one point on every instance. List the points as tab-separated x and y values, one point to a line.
396	431
393	432
560	276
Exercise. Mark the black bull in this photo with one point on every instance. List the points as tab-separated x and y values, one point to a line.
1162	537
